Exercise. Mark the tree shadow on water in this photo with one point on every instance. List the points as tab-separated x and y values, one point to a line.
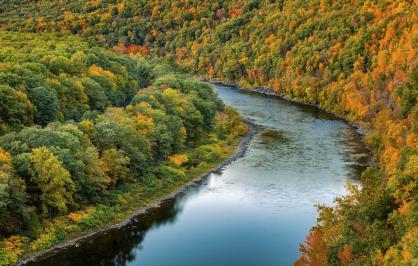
117	246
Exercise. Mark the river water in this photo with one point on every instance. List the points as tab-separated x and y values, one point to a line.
256	211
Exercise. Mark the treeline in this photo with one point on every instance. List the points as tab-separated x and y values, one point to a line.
357	59
77	124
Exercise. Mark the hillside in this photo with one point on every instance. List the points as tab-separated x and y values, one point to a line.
357	59
87	136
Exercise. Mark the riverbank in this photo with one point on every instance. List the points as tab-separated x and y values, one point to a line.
361	130
240	146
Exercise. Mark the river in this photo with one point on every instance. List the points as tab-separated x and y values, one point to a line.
256	211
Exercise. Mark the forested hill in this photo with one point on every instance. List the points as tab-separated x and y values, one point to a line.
88	136
352	57
357	59
46	78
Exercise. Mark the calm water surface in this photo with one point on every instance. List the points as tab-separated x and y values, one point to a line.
254	212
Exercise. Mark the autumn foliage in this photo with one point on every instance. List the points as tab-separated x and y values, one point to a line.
313	251
81	124
356	59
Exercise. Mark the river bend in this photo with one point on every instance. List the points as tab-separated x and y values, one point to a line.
256	210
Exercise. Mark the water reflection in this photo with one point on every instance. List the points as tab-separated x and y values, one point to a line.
117	246
254	212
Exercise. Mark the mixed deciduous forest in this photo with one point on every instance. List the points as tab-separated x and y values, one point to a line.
86	131
357	59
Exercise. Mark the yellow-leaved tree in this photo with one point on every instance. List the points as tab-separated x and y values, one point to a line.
53	180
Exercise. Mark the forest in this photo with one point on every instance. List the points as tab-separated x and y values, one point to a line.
356	59
83	127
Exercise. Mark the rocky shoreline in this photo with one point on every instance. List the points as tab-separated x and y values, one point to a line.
241	148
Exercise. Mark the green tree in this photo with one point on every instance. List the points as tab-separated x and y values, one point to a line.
116	166
4	197
46	103
16	110
409	94
97	97
112	134
53	180
14	212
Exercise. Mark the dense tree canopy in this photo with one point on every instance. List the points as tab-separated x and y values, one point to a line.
357	59
79	121
51	78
